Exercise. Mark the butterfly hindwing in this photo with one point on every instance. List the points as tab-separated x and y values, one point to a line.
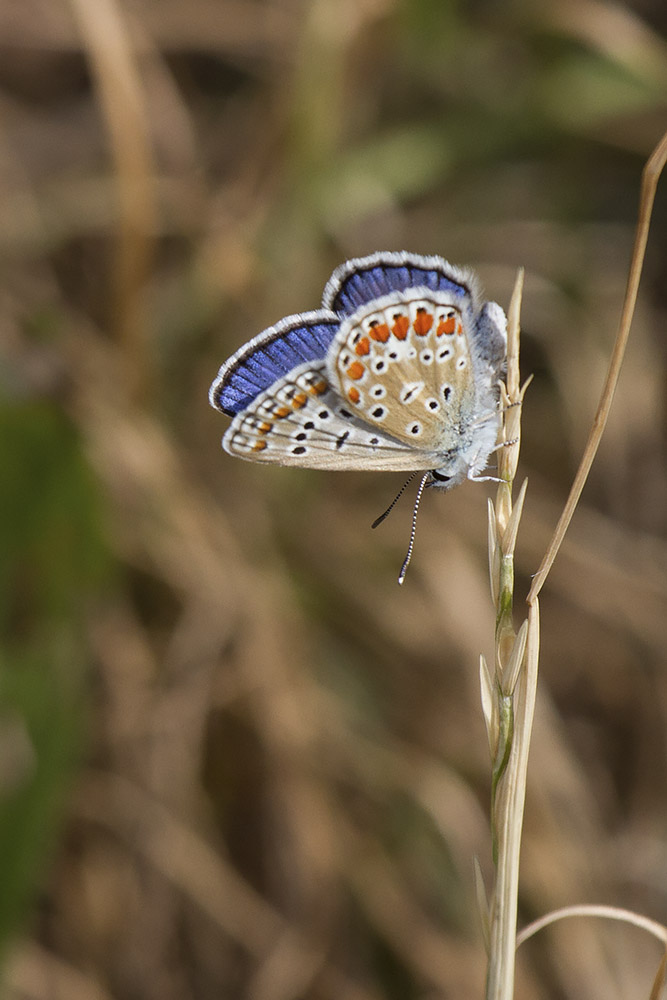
403	364
305	423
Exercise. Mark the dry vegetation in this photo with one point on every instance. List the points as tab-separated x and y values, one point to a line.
236	760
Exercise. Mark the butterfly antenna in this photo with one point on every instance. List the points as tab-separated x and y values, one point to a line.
380	519
406	561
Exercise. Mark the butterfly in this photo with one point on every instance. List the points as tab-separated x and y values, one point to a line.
398	371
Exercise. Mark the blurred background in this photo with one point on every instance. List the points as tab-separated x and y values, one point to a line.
236	760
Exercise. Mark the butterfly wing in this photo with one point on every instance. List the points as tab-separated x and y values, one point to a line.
285	410
270	356
363	279
403	364
396	371
302	421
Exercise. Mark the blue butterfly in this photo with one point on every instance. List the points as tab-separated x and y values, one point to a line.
398	370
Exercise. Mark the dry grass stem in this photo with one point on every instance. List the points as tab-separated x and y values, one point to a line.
660	978
508	696
658	931
650	177
107	43
510	793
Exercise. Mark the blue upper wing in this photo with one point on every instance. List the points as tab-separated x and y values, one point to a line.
366	278
270	356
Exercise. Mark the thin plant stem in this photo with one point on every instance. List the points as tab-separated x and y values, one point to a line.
508	693
658	931
650	176
108	44
509	823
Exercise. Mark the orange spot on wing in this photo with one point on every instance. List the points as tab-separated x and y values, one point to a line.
362	346
259	445
264	427
459	328
299	399
356	370
400	327
282	411
379	331
423	322
353	394
446	326
317	388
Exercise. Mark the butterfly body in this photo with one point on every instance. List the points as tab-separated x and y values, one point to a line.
398	371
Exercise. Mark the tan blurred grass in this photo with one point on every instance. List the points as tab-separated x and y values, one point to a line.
286	773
